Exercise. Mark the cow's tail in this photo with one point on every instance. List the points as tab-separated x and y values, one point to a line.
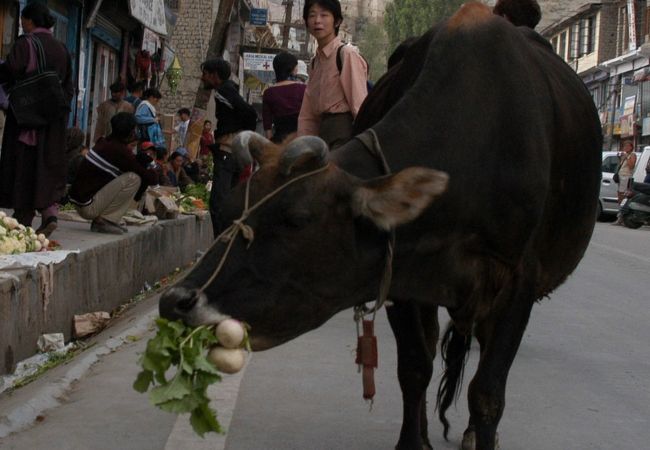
454	350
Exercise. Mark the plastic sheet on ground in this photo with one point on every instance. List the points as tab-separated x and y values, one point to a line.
33	259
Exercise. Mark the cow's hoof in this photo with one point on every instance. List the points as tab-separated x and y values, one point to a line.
469	441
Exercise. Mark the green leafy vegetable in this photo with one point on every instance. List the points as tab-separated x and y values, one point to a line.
183	347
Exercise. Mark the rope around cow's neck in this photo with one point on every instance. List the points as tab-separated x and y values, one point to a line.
360	311
230	234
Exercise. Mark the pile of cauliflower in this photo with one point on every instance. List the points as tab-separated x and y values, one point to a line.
16	238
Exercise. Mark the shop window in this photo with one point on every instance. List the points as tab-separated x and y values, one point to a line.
574	41
622	35
587	35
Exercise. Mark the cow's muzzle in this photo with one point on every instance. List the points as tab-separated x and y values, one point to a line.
177	302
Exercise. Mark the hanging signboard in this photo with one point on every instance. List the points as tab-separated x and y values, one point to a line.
258	61
627	125
259	16
150	41
631	14
151	13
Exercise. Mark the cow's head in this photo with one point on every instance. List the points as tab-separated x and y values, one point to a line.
318	243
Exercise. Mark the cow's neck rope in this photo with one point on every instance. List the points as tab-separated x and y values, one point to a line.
360	311
230	234
367	343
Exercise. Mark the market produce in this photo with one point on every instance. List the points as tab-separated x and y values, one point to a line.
16	238
227	360
230	333
188	349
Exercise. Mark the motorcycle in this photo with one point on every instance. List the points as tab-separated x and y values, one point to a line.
635	208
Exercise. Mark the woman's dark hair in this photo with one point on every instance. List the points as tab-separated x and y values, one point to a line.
283	65
519	12
39	14
123	126
333	6
151	92
174	155
219	66
118	86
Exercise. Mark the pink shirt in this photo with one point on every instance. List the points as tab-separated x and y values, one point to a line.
327	92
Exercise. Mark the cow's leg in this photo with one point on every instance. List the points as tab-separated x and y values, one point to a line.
500	335
414	369
431	328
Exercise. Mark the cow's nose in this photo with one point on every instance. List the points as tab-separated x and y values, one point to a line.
176	302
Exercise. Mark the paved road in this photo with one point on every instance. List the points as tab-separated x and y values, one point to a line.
580	380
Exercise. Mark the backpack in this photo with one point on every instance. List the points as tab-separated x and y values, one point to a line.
339	65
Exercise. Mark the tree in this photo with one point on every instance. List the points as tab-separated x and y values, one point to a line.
215	47
372	44
406	18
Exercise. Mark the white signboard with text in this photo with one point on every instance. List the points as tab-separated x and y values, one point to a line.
258	61
151	13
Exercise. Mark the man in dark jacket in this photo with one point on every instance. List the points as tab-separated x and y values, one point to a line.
233	116
110	178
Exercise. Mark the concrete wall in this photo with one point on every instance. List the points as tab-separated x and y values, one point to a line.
99	278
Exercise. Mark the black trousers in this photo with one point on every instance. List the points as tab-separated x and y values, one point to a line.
224	177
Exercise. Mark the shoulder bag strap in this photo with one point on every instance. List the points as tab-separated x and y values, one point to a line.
620	164
40	53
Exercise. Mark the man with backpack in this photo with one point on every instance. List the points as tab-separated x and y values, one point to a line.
338	81
233	115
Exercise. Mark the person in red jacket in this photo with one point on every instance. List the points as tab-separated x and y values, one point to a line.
110	178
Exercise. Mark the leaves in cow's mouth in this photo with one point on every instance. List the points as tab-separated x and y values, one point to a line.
183	347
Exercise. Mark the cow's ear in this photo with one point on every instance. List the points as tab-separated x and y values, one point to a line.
400	198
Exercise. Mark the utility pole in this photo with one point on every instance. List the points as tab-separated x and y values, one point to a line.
215	47
287	23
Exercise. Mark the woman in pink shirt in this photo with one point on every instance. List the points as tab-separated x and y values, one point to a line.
333	98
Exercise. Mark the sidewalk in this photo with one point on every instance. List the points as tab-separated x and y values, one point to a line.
89	404
106	272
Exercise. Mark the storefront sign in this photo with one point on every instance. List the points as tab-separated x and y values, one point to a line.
259	16
627	125
258	69
628	105
631	14
150	41
258	61
151	13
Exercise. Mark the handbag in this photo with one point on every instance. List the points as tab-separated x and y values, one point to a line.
38	100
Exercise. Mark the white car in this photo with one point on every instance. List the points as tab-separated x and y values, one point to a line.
608	200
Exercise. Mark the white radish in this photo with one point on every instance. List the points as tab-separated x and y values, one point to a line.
230	333
3	214
37	246
46	243
227	360
41	237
